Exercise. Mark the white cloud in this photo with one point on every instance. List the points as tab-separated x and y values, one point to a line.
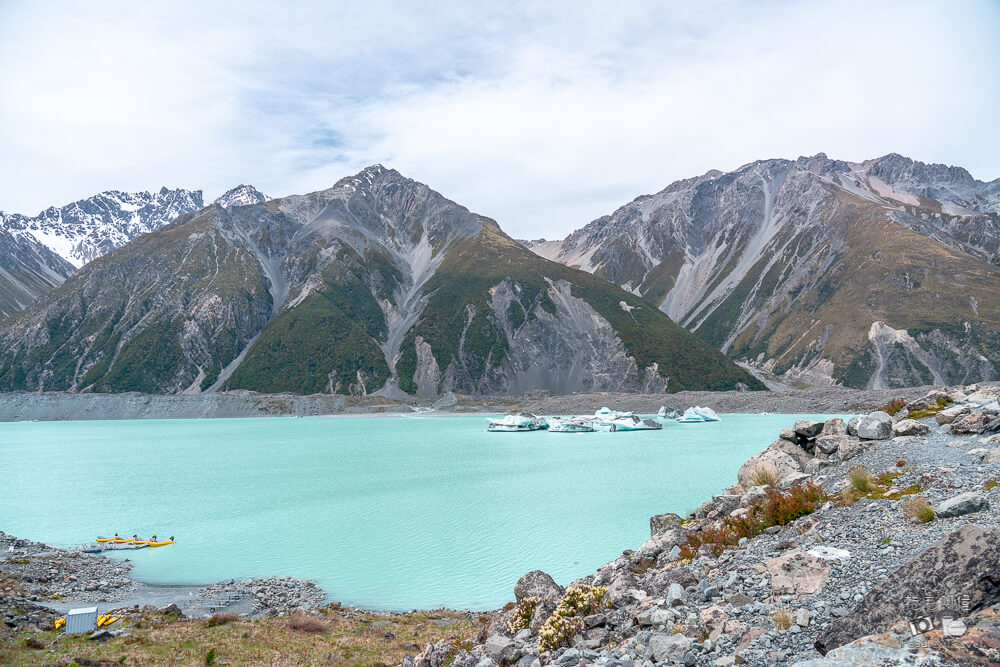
538	117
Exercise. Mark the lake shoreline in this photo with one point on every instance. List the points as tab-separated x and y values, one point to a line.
722	610
62	406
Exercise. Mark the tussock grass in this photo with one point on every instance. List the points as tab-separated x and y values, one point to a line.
862	481
307	624
220	619
918	509
782	619
764	475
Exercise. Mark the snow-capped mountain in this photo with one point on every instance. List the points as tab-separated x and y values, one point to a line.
880	273
86	229
28	269
241	195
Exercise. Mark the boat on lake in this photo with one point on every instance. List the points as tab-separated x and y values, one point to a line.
520	422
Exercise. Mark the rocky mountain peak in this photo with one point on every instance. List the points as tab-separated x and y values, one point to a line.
241	195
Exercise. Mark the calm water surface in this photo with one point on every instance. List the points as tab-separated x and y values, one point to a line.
383	512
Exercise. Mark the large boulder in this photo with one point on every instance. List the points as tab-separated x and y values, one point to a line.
662	541
807	429
781	462
853	447
876	426
960	566
910	427
798	573
669	646
970	423
852	425
500	648
963	503
991	456
661	522
835	426
951	414
537	584
800	455
828	444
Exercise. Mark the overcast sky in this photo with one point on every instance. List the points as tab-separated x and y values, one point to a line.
541	115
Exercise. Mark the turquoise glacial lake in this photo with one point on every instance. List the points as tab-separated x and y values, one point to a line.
382	512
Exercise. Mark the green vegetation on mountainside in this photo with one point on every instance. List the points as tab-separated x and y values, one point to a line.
458	314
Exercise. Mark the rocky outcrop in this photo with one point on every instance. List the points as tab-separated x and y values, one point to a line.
961	564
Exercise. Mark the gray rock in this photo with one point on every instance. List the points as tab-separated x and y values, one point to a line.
961	563
852	425
971	423
807	429
500	648
675	596
876	426
800	455
537	584
910	427
963	503
787	434
991	456
661	522
669	647
835	426
101	636
853	447
951	414
828	444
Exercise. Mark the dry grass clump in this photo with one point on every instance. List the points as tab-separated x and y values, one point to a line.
220	619
990	484
307	624
918	509
862	481
764	475
782	619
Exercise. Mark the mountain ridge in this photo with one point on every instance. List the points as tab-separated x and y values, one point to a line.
750	260
377	284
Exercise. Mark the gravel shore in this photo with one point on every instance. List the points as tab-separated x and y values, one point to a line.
60	406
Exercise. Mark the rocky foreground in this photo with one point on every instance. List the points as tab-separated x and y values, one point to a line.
872	542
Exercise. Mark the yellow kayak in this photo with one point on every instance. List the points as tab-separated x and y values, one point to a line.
106	539
60	622
124	541
161	543
141	541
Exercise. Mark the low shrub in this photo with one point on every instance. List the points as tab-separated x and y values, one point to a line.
521	618
894	406
775	509
210	657
918	509
990	484
567	620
